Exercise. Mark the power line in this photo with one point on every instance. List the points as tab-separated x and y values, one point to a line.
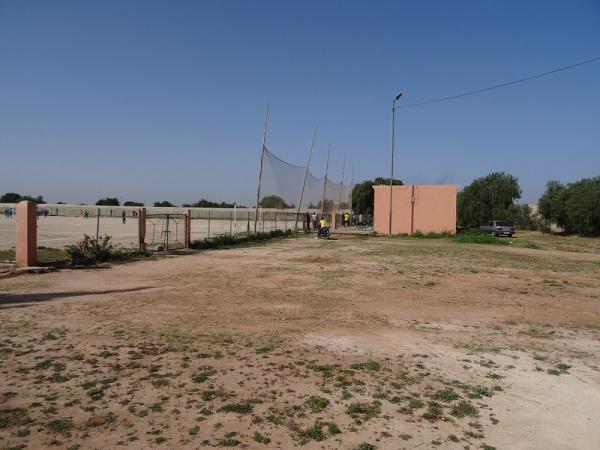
509	83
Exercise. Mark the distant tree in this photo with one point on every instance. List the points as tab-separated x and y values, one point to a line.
521	216
487	198
108	201
130	203
203	203
552	205
163	204
13	197
275	202
363	196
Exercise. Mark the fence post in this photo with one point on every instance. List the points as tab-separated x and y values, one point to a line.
97	225
26	251
142	229
187	228
209	224
230	221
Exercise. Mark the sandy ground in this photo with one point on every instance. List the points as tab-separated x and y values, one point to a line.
354	343
58	231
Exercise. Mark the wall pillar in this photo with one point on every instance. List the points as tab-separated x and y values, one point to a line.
26	252
188	228
142	229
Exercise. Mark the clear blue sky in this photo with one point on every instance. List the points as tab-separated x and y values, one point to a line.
154	100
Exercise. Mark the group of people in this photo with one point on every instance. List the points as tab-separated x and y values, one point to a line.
10	212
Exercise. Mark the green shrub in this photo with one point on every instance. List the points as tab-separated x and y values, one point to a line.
88	251
227	240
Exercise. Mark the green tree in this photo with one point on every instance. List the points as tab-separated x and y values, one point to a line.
13	197
487	198
108	201
363	196
203	203
583	207
275	202
163	204
552	205
521	216
130	203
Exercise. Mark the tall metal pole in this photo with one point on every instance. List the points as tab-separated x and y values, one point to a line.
312	144
325	181
392	162
351	186
342	184
262	157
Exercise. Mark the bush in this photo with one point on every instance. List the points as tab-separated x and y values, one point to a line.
228	240
88	252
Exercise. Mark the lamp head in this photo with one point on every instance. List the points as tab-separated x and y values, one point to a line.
398	95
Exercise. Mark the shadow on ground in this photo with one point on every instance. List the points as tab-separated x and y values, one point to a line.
29	299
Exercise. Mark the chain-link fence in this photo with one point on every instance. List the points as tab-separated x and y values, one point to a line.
61	225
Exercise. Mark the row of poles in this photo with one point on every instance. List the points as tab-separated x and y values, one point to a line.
310	152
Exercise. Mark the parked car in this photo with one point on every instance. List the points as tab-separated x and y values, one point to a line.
499	228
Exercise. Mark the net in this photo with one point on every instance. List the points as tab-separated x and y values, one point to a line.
281	187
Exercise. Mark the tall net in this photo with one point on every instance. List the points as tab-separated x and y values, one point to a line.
282	186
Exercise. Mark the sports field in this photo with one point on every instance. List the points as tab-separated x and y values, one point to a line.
58	231
354	343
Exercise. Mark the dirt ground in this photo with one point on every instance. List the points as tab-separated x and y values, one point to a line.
354	343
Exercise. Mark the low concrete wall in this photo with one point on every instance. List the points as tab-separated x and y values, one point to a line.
425	208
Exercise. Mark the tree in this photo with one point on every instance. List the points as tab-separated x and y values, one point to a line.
13	197
203	203
521	216
487	198
163	204
275	202
583	207
108	201
363	196
552	205
130	203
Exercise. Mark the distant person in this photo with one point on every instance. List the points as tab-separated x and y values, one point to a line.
307	219
313	219
86	214
346	219
124	217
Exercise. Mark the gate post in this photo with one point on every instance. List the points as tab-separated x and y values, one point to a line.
142	229
188	229
26	251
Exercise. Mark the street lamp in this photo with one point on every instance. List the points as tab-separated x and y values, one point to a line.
396	98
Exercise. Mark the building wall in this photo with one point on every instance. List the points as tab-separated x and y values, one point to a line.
433	210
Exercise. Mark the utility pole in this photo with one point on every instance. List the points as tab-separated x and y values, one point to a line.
325	181
396	98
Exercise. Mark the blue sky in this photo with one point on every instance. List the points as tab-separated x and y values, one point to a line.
161	100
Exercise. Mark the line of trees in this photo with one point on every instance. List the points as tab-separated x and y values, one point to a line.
13	197
574	207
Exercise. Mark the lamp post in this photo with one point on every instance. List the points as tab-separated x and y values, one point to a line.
396	98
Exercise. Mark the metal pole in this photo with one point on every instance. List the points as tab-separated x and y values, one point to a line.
392	162
351	186
392	165
342	183
97	225
209	224
262	157
325	182
305	175
235	217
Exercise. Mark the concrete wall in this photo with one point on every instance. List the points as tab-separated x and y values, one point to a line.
433	208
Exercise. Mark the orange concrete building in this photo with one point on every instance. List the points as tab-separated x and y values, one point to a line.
425	208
